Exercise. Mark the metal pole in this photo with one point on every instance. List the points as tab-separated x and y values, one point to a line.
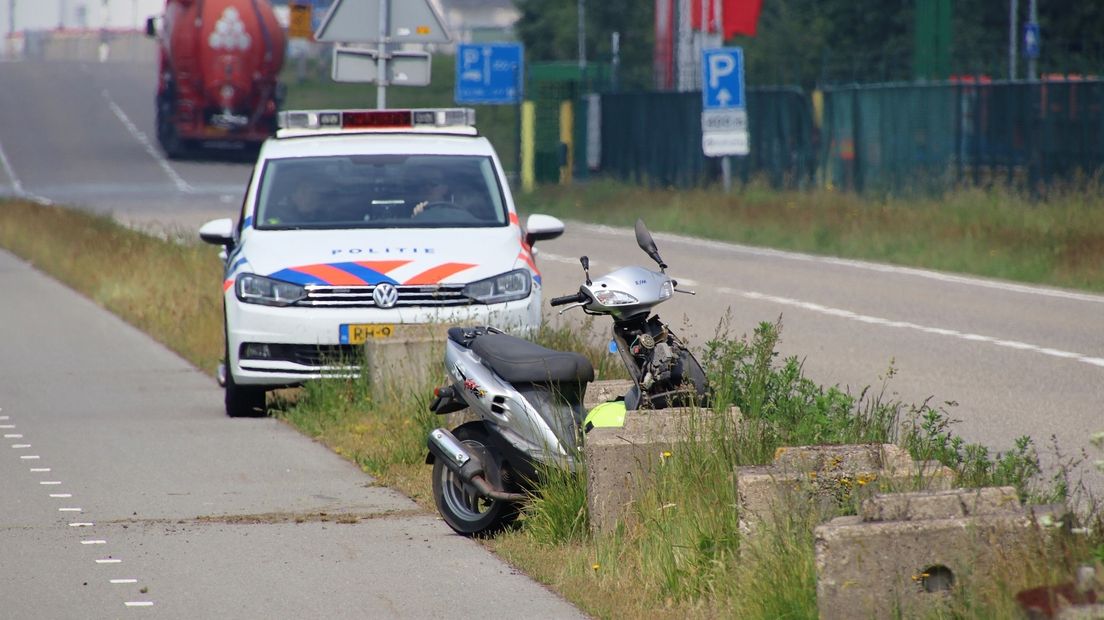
381	68
581	7
1013	27
11	17
1032	64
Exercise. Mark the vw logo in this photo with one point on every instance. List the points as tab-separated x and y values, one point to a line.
385	295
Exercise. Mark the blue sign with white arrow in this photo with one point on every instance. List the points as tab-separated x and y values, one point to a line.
1032	40
723	78
489	73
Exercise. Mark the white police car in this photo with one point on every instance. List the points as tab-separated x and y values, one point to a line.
358	220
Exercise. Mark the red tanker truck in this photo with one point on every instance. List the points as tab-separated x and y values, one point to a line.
218	73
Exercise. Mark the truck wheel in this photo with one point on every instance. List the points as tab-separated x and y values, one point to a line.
167	135
461	508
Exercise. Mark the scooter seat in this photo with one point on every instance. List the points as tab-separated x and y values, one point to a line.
519	361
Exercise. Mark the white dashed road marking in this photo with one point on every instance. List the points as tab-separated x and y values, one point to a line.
123	581
30	457
39	469
109	561
70	510
139	603
61	495
81	524
50	482
93	542
13	436
177	180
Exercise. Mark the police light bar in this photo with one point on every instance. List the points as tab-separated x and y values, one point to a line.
376	119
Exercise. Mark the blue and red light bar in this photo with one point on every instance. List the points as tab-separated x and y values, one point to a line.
330	120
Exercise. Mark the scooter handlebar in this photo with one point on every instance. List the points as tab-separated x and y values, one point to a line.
577	298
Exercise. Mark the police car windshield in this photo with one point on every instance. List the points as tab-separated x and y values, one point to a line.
379	191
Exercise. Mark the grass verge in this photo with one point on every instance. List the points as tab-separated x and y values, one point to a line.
681	552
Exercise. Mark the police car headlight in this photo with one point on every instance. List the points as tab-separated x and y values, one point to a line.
608	297
254	289
504	287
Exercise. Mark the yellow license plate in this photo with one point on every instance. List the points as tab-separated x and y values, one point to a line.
359	333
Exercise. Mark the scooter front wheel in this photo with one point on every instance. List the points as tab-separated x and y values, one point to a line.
459	503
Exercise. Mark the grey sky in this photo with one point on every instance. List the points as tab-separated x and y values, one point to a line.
45	14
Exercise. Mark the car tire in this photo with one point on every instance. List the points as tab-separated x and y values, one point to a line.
242	401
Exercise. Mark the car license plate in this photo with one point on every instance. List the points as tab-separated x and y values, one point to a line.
359	333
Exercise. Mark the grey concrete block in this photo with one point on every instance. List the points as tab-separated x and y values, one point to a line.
409	359
830	477
598	392
876	569
620	461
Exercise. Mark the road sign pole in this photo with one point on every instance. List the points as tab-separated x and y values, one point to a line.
384	30
1033	12
726	173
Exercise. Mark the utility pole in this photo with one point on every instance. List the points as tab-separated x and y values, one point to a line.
1032	63
384	29
1013	28
581	8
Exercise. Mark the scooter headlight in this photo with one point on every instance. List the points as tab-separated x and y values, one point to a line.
254	289
666	290
508	286
608	297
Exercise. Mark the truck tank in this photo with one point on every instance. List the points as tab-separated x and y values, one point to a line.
220	60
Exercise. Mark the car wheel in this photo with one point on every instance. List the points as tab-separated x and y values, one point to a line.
242	401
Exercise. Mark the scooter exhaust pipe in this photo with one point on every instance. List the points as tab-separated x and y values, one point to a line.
452	452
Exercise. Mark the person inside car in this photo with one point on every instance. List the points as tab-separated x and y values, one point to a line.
303	205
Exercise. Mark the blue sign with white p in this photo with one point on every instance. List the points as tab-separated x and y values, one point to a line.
723	78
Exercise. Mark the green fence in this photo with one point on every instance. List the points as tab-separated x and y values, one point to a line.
901	137
656	138
885	137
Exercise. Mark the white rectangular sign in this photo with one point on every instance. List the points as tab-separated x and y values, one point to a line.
359	65
725	119
721	143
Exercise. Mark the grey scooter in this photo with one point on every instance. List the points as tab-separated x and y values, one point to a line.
527	399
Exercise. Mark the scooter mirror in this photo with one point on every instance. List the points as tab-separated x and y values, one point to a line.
646	243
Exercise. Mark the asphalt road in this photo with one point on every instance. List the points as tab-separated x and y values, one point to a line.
125	489
1016	359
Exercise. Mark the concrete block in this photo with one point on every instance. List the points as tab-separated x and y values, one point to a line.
831	477
598	392
905	552
410	358
620	461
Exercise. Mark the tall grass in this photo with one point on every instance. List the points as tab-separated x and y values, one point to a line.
1057	239
168	288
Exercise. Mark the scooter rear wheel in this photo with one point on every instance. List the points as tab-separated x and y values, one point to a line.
461	507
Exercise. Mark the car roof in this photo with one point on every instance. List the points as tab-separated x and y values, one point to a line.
311	143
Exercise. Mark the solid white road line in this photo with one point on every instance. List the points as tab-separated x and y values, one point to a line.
938	331
138	135
736	248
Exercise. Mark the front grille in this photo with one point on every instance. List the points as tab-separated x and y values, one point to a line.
442	295
311	354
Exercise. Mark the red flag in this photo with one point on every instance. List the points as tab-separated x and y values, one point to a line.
741	17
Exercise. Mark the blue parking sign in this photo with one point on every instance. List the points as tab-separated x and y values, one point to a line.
723	78
489	73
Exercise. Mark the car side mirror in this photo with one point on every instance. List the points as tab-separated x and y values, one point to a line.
542	227
151	27
218	232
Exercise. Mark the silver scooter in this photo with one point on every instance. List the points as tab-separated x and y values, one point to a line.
527	399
